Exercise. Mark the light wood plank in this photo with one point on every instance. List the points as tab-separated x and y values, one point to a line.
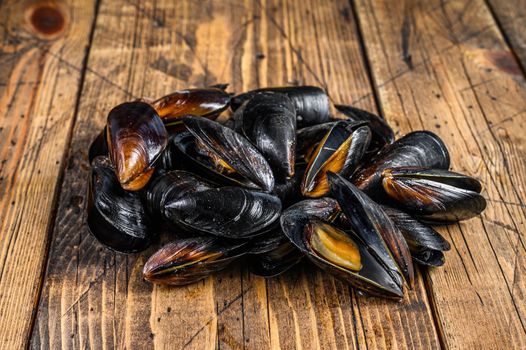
444	66
93	297
42	48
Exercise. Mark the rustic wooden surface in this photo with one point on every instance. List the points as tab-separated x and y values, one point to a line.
449	66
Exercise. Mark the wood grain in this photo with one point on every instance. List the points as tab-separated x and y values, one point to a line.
41	59
511	16
95	298
445	66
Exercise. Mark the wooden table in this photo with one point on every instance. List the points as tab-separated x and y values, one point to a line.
454	67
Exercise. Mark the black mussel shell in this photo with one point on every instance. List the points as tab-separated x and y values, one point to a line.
374	227
223	151
418	148
171	186
276	261
188	260
231	212
340	152
170	158
204	102
416	233
269	121
308	138
428	257
382	134
434	195
289	190
116	217
99	146
266	242
311	102
136	137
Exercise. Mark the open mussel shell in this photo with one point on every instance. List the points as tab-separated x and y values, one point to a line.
434	195
311	102
416	233
231	212
116	217
188	260
269	122
136	137
418	148
339	151
204	102
99	146
382	134
340	253
368	220
308	138
224	152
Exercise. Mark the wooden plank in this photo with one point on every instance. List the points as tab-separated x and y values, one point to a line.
444	66
511	16
41	55
94	298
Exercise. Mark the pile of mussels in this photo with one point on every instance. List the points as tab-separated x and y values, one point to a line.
276	180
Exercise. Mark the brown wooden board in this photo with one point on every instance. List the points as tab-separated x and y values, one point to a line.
93	297
444	66
42	49
511	18
448	66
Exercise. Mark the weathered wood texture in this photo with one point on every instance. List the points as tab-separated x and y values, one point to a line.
444	66
438	65
93	297
40	72
511	17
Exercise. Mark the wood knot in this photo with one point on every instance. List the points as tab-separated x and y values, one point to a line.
47	19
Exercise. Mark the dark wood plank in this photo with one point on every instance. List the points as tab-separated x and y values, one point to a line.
511	18
41	58
444	66
93	297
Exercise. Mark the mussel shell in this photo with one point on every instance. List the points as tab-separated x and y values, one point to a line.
417	234
372	277
232	148
204	102
116	217
189	260
171	186
231	212
339	151
266	242
437	175
432	195
419	148
170	159
289	190
308	138
99	146
374	227
311	102
136	137
428	257
276	261
269	122
382	134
